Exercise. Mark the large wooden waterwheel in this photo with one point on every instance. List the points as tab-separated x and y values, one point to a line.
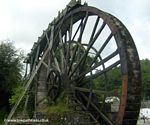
81	50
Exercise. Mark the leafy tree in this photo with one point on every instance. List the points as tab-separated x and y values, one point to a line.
145	67
10	66
10	72
114	79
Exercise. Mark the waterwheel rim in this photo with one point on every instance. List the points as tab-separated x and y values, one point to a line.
123	56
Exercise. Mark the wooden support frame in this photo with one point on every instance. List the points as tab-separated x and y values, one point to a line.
31	77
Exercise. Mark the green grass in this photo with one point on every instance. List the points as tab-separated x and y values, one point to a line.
60	106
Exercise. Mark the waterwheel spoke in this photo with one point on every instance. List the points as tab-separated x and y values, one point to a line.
95	91
77	30
83	27
101	49
104	71
55	79
104	117
73	58
62	52
68	54
88	48
70	29
92	39
56	62
99	52
95	27
100	63
85	108
55	86
76	47
98	33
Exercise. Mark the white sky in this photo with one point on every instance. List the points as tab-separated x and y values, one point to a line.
23	21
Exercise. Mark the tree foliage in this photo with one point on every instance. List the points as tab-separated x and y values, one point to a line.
145	68
10	73
10	66
113	81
